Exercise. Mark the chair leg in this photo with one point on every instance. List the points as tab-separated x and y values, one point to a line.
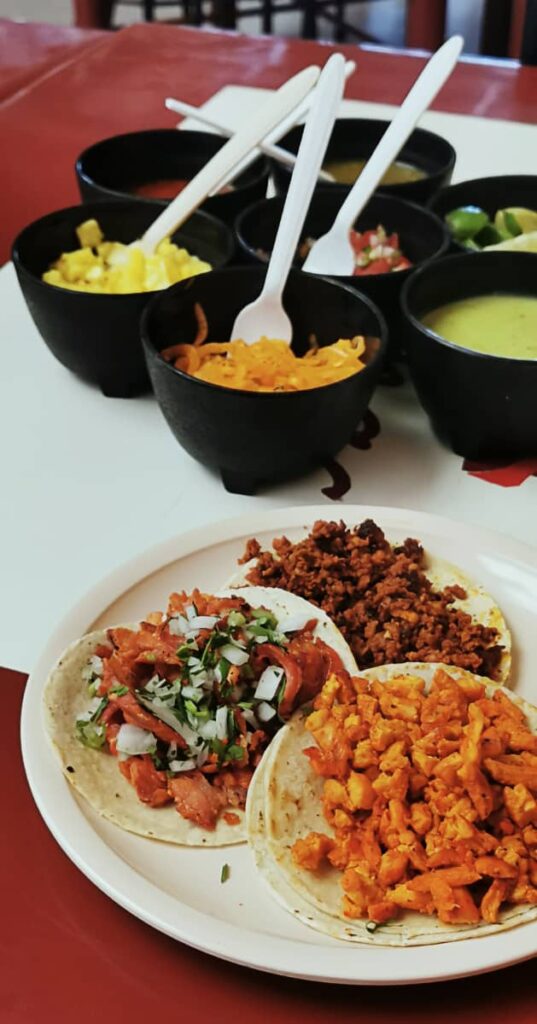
93	13
340	33
148	10
267	17
309	21
194	12
224	13
495	28
528	53
425	24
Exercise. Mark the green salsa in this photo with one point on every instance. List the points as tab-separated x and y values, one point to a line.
499	325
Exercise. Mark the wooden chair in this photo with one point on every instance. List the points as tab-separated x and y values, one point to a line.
229	13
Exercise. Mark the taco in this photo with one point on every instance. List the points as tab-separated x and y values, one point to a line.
403	810
392	602
160	726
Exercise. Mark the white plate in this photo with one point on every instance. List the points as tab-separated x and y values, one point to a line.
178	890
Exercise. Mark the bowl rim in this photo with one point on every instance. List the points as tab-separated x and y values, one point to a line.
437	338
148	344
82	174
103	204
471	182
385	122
321	197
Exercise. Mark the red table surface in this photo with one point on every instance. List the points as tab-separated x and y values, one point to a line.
118	84
69	953
30	51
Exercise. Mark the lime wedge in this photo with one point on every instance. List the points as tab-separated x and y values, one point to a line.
526	219
522	243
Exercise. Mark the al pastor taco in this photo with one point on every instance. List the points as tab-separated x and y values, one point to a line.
161	725
403	809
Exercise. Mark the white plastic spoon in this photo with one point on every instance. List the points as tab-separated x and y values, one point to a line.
213	175
333	253
282	156
267	147
266	315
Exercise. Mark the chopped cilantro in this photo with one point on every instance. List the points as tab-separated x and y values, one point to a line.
224	874
235	619
90	734
119	691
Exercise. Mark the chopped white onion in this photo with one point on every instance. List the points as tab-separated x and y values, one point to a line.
93	668
265	712
190	612
235	655
202	757
132	740
208	729
249	716
192	692
203	622
290	623
269	682
221	723
90	710
182	766
166	715
178	626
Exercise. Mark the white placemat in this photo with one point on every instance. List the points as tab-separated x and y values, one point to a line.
484	146
89	481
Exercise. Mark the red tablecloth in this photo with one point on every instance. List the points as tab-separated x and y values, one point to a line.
118	84
30	51
68	953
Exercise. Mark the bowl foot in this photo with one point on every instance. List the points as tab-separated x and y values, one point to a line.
238	483
112	389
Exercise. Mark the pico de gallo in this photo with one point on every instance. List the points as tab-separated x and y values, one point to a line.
377	252
189	700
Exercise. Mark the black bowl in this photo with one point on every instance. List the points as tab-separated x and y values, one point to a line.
355	138
422	236
482	406
98	336
112	168
254	437
491	194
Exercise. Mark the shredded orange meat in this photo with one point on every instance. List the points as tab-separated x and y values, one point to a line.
267	365
422	818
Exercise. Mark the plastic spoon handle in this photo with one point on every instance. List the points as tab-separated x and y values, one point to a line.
266	314
297	115
317	132
282	156
421	95
214	173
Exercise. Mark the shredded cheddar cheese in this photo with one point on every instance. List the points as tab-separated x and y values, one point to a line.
268	365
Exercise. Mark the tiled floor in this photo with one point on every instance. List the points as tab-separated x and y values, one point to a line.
383	19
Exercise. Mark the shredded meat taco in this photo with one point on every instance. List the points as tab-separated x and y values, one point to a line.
392	602
402	810
160	726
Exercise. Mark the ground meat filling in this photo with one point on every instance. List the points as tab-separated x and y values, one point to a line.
379	596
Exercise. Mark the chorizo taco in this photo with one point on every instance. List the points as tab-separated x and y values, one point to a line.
160	726
402	810
392	602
